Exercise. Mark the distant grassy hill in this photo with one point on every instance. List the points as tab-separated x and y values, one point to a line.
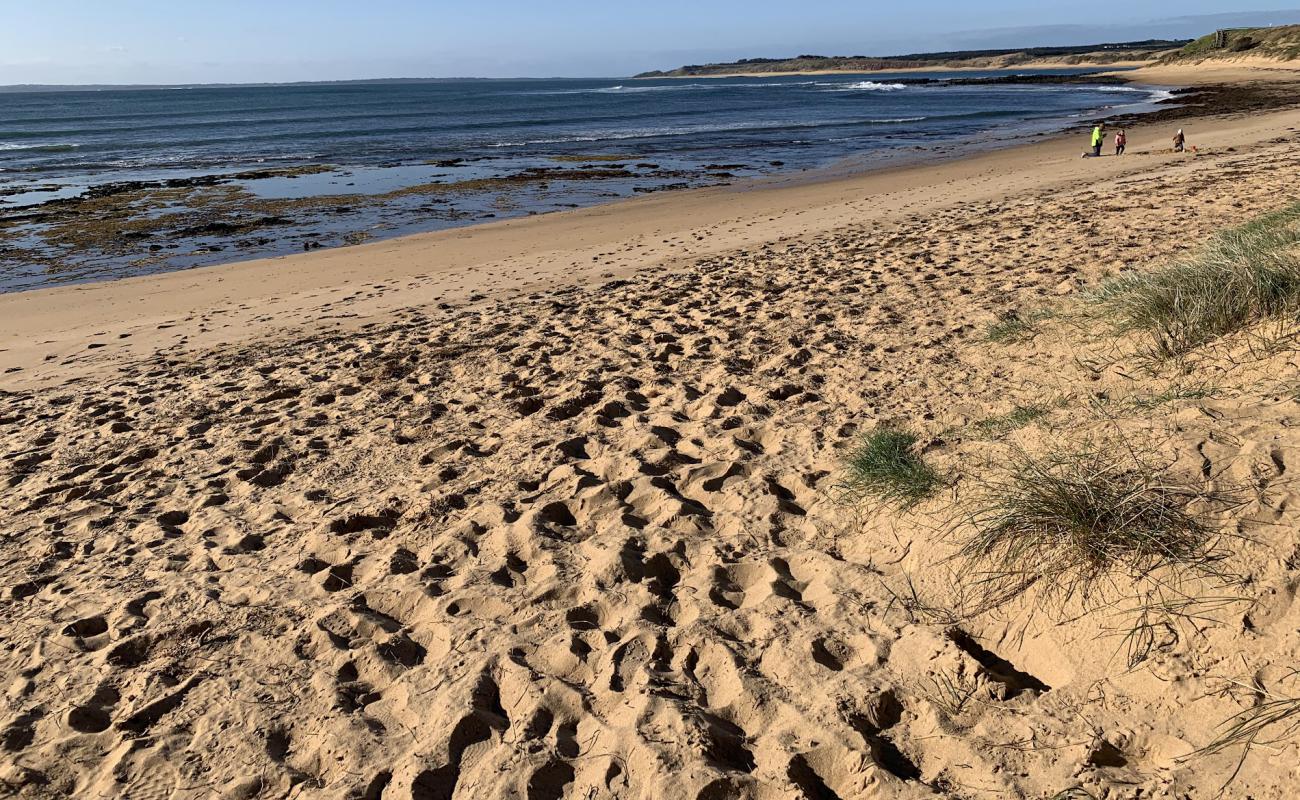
1084	55
1281	42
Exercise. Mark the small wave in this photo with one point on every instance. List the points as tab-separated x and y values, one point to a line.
680	87
623	89
864	86
897	120
14	147
658	133
564	140
1153	95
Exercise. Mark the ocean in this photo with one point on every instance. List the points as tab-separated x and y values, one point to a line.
271	170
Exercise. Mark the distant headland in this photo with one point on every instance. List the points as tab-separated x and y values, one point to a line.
1142	52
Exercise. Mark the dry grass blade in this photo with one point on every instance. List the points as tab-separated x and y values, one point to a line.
1014	327
1242	276
1162	617
1074	520
920	609
1017	418
1273	718
950	695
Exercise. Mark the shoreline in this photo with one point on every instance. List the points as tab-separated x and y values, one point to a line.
86	228
848	166
57	334
1037	66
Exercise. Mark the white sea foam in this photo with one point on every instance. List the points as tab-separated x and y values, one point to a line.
45	147
1153	95
864	86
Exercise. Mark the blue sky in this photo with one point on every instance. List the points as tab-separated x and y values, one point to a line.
188	41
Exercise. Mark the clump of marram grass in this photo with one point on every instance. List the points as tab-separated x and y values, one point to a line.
1075	520
887	467
1242	276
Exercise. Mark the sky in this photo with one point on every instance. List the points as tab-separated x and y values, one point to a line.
238	41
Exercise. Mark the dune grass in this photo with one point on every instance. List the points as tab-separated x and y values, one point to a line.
1074	520
1014	420
1174	394
885	466
1281	42
1242	276
1015	326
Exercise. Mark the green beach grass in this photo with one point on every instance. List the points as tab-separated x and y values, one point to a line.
885	466
1242	276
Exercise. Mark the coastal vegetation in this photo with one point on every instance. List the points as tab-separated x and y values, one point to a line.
887	467
1017	326
1017	418
1083	55
1073	518
1281	42
1242	276
1271	718
1100	524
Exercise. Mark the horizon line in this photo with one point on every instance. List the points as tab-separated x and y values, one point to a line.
257	84
266	84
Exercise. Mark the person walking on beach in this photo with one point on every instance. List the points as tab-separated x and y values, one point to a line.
1121	142
1180	141
1098	139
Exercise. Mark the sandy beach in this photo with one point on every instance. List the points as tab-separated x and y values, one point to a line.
52	336
557	507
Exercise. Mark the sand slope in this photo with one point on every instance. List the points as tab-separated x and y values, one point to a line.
1217	71
589	541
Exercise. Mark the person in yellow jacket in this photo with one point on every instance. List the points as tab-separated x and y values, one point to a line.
1098	139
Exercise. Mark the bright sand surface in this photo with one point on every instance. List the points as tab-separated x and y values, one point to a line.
1235	70
289	528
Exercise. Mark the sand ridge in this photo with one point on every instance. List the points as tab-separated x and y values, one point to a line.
589	540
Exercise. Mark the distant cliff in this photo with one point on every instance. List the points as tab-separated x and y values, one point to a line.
1099	54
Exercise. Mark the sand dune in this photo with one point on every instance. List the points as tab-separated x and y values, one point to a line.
585	536
1224	70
